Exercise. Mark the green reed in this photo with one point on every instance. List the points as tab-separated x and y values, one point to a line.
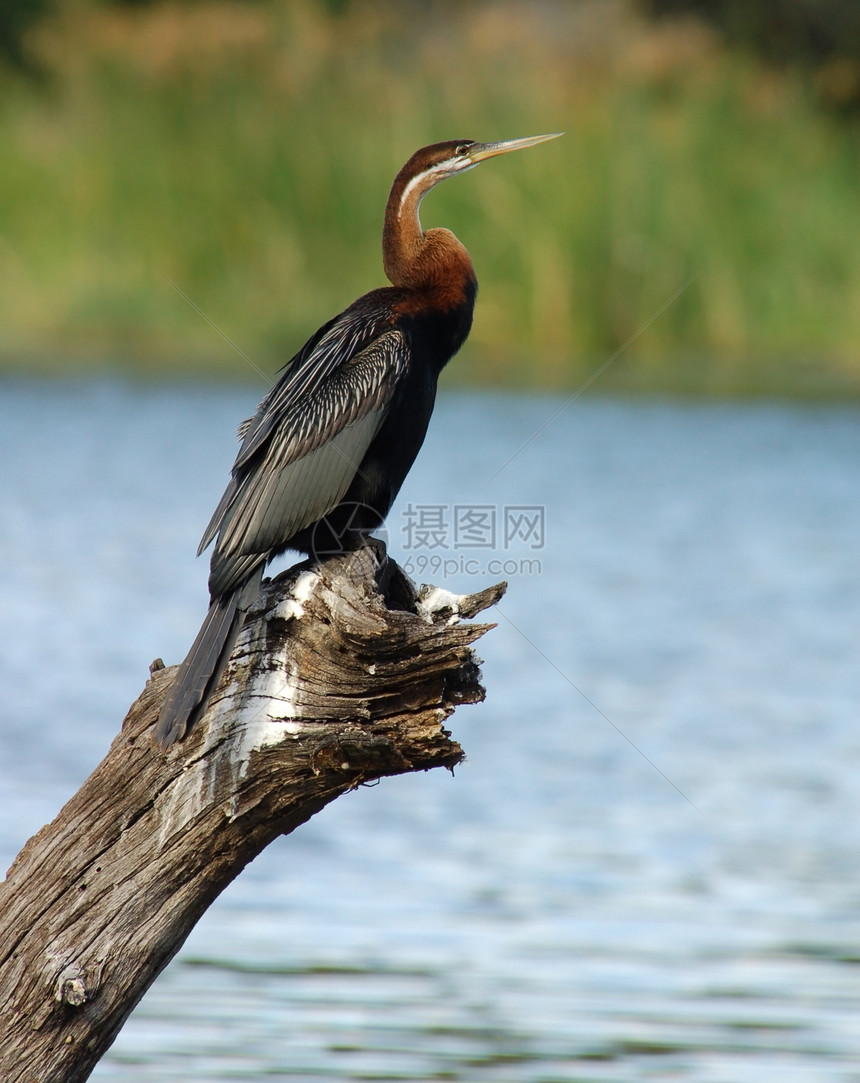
245	153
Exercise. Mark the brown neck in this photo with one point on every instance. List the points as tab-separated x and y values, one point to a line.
412	258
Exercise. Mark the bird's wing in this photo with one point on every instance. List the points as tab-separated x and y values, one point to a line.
305	375
312	455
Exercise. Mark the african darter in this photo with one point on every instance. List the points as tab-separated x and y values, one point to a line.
326	453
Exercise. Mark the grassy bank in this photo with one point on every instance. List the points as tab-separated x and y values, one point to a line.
245	153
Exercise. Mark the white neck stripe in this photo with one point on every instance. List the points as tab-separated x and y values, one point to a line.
409	189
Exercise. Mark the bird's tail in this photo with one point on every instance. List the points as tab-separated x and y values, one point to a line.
199	674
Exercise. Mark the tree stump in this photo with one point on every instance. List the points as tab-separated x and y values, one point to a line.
343	673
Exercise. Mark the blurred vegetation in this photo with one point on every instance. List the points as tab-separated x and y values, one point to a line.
17	17
819	37
244	151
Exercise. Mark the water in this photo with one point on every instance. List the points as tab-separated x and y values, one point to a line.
557	911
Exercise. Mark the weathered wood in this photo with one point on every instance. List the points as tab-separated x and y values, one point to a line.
341	675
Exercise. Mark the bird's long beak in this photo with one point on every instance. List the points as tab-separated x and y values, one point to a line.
479	151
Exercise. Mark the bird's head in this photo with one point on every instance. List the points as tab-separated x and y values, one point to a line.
429	165
403	236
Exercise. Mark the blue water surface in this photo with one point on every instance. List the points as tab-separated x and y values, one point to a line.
649	867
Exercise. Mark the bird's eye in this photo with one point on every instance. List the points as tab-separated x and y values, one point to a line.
462	150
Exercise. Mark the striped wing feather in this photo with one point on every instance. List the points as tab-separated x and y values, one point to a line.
288	408
334	346
308	463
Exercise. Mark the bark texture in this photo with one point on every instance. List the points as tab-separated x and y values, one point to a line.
344	673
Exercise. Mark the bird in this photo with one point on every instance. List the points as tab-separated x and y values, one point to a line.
322	460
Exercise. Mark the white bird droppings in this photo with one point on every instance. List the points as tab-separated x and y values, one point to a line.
260	715
438	598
